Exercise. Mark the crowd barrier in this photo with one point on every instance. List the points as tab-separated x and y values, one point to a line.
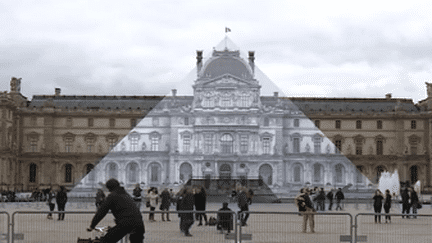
33	226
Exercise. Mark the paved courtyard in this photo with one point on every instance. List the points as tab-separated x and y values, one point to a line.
264	227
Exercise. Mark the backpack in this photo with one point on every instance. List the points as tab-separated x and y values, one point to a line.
212	221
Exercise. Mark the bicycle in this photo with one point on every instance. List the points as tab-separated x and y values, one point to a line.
101	231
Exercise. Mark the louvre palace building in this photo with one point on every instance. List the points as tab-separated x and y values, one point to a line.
226	129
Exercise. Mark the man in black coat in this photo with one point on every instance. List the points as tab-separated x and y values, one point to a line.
61	199
225	218
405	202
243	204
127	216
186	203
200	205
330	198
339	197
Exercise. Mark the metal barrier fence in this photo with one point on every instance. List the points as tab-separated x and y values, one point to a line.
169	231
4	227
399	229
34	226
288	227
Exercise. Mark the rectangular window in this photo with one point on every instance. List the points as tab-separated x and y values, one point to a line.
413	124
296	122
33	145
208	143
317	145
338	124
134	143
90	122
111	122
154	144
244	143
358	124
359	149
186	121
112	143
266	145
186	143
338	146
379	124
226	101
154	173
68	144
317	123
296	145
379	147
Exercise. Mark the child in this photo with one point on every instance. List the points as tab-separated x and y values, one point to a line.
225	220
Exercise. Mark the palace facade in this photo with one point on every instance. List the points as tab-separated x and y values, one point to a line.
226	129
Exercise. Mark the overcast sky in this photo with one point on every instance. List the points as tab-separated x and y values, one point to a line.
307	48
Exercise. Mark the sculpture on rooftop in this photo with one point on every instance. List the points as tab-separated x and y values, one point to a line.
15	84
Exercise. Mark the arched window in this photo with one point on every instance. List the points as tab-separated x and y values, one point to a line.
68	173
154	173
225	171
112	170
132	172
227	143
89	172
185	172
318	173
266	173
339	174
33	172
297	173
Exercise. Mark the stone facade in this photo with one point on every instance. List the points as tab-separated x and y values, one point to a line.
226	129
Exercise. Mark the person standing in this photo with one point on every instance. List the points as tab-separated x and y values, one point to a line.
339	197
378	200
306	209
187	203
165	204
405	202
414	201
137	195
128	218
387	205
320	199
50	203
200	205
61	200
330	198
153	198
100	197
225	219
242	203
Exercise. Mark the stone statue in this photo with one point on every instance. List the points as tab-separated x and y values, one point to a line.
307	148
349	150
429	89
328	149
143	146
286	149
15	84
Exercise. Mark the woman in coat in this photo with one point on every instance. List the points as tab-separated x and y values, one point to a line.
378	198
61	200
165	203
387	206
153	198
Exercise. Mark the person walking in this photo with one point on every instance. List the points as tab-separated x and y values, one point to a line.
378	201
100	197
242	203
405	202
153	199
51	205
339	197
330	198
61	200
200	205
387	205
306	209
165	204
414	201
128	218
187	203
137	195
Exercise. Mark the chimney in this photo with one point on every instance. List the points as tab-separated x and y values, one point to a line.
57	91
174	92
388	96
199	60
275	94
252	61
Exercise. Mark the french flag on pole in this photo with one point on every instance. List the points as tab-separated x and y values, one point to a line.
227	30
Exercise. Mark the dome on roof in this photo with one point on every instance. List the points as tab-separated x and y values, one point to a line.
227	62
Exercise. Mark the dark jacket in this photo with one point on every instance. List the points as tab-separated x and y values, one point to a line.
61	197
200	200
137	194
330	196
405	197
339	195
378	199
165	200
122	207
414	197
387	201
242	199
225	219
187	204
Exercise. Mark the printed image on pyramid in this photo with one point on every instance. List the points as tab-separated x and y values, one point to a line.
226	123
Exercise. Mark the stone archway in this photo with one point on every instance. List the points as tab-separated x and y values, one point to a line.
266	174
225	171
